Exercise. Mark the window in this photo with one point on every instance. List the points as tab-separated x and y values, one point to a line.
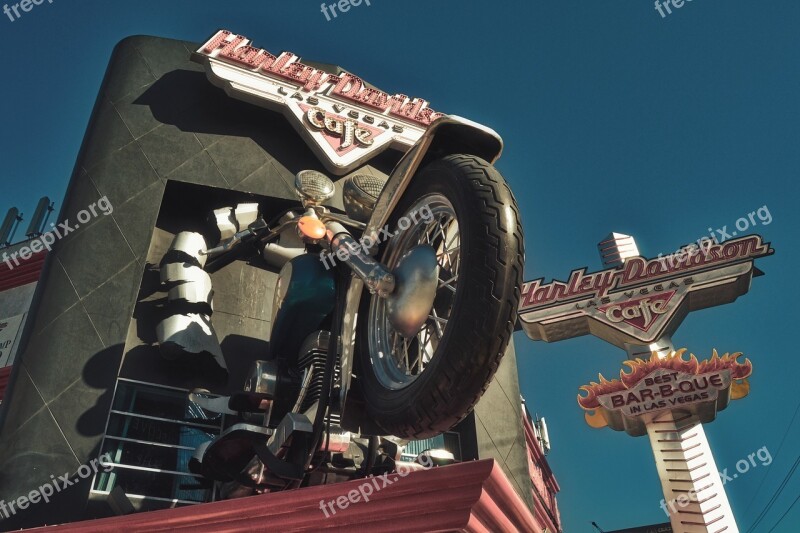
449	441
151	434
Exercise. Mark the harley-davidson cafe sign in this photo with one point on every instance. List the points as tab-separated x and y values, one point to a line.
637	306
636	302
347	120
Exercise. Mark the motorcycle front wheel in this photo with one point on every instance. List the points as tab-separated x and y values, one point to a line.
420	386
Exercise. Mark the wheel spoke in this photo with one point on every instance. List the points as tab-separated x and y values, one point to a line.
429	231
440	227
405	359
447	283
420	359
455	236
446	248
433	341
437	322
448	251
428	346
447	254
396	355
397	360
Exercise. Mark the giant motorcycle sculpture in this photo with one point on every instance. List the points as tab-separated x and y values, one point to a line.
391	318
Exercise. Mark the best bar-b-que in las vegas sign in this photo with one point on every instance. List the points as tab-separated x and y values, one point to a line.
657	384
343	119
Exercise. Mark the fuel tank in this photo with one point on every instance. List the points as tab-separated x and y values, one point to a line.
304	299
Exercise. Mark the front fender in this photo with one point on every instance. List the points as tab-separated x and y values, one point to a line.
448	135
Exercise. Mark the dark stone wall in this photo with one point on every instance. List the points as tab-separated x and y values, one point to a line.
157	120
498	426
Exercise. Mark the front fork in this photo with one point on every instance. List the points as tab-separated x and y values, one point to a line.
351	252
409	290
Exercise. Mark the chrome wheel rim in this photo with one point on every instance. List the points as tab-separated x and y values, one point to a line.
398	361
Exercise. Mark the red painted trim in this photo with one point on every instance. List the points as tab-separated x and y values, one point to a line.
538	455
474	496
542	479
28	271
5	373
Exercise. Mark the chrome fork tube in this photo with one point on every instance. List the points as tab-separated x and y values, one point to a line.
348	250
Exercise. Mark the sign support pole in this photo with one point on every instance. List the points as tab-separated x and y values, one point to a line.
694	497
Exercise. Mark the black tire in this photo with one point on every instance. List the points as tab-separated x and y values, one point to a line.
483	309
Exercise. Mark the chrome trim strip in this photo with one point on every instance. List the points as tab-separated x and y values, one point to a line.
148	469
159	419
150	443
142	497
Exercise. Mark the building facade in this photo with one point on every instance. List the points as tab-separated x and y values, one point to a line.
164	147
18	281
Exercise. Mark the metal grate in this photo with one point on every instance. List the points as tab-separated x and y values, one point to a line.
151	434
370	185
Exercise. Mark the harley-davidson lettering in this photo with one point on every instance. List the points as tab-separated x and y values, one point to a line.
344	120
636	271
236	49
640	300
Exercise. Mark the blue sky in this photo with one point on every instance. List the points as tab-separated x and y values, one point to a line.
614	118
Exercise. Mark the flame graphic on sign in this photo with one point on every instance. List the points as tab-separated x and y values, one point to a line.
716	363
675	361
596	389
